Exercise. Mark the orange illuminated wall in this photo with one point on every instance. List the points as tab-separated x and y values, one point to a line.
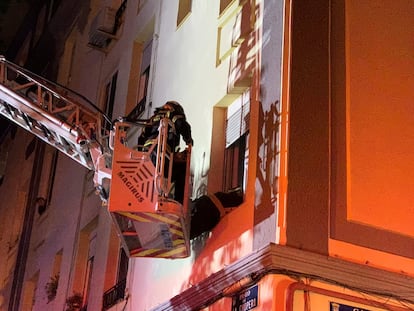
380	101
372	124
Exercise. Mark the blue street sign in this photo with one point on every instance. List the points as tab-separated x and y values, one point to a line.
334	306
246	300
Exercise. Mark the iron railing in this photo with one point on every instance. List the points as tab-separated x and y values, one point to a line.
113	295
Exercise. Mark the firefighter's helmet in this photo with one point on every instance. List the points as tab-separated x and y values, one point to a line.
173	106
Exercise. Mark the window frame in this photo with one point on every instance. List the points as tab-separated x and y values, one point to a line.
184	10
109	93
236	143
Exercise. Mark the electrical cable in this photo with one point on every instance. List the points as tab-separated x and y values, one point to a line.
254	277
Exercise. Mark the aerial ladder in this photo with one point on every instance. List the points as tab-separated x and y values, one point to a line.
133	181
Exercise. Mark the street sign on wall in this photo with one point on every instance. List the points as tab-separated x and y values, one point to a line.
246	300
334	306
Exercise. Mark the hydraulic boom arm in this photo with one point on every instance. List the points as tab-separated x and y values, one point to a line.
53	113
150	222
57	115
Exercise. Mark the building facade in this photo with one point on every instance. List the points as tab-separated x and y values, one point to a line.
304	106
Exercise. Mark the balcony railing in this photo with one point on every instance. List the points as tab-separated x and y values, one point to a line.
137	112
113	295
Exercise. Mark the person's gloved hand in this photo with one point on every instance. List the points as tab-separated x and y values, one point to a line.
190	142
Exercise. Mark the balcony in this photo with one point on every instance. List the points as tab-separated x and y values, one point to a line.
113	295
105	26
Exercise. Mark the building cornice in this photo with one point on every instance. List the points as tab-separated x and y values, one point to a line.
278	259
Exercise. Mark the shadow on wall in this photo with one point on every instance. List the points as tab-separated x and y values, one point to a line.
207	210
267	164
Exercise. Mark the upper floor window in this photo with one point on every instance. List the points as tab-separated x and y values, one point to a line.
144	75
53	283
184	10
237	128
40	25
122	265
141	75
53	6
141	4
87	284
109	99
30	288
115	280
224	4
85	254
46	180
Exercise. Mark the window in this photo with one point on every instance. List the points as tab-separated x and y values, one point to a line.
122	266
83	268
4	154
224	4
119	16
29	292
142	79
236	130
141	4
47	179
23	53
116	272
234	164
40	25
144	76
30	148
67	59
87	283
143	89
53	6
233	32
53	284
184	10
109	99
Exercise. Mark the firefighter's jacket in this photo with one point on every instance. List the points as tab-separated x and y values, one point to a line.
179	127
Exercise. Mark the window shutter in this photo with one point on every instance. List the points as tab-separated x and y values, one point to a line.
238	123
